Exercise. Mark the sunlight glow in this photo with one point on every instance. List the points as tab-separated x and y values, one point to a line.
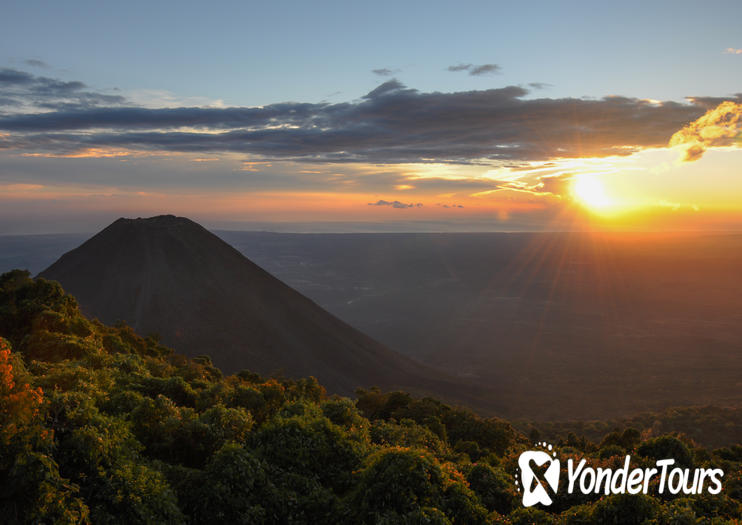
590	192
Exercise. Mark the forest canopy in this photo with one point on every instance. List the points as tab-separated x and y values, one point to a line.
100	425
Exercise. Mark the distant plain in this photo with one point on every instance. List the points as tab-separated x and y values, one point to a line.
558	326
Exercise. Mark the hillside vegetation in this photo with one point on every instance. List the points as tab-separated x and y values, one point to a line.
99	425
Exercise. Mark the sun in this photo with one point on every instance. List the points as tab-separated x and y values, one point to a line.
589	190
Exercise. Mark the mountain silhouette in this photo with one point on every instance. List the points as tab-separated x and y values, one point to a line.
170	276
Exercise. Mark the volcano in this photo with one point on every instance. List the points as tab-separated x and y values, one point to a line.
169	276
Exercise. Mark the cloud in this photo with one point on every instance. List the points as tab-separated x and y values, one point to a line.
34	62
392	124
720	126
733	51
384	72
484	69
475	70
711	102
23	91
390	86
540	85
449	205
9	77
396	204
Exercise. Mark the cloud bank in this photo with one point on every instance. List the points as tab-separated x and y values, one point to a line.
390	124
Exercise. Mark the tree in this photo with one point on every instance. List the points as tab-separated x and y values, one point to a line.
32	488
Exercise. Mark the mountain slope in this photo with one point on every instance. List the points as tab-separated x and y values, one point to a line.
170	276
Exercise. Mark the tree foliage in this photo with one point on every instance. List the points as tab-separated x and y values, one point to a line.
99	425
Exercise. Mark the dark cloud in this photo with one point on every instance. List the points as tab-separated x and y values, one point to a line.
8	101
34	62
449	205
390	86
10	77
475	70
396	204
484	69
384	72
539	85
712	102
390	124
37	92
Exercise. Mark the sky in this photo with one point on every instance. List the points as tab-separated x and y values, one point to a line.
384	116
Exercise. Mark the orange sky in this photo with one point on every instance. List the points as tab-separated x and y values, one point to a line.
692	183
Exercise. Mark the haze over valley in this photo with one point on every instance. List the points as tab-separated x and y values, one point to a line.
548	325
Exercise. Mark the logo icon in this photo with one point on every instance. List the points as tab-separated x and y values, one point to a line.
536	485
